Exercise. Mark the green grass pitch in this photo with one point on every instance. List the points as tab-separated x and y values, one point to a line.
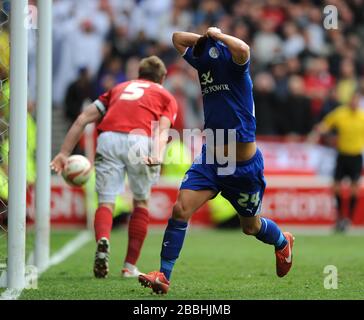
213	265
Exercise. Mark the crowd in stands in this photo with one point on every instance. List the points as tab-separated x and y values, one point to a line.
300	70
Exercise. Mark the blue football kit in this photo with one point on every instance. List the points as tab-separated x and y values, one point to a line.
228	104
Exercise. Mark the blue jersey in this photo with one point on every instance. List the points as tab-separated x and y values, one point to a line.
226	90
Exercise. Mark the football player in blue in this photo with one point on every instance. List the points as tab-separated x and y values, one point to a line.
222	63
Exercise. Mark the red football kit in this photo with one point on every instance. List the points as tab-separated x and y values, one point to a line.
134	105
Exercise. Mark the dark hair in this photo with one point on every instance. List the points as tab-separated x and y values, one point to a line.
199	47
153	69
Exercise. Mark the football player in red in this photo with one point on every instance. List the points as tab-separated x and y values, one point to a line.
130	117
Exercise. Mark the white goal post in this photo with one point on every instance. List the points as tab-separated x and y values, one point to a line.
44	134
17	145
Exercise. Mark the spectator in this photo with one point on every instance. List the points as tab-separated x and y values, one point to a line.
209	11
79	91
79	36
296	109
265	104
315	32
318	82
294	43
329	104
267	44
361	93
280	73
347	82
110	74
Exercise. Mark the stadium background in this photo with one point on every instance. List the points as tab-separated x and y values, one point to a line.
300	70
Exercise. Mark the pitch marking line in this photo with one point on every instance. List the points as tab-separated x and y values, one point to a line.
69	249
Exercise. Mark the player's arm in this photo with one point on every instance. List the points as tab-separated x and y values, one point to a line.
240	51
159	142
183	40
89	115
315	135
324	127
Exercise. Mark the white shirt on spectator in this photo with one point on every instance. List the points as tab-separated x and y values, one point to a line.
267	47
293	46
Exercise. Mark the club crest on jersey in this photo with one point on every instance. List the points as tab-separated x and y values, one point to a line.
206	78
214	53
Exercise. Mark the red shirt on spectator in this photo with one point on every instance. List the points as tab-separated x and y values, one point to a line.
317	88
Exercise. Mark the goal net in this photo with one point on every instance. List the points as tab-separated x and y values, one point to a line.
4	120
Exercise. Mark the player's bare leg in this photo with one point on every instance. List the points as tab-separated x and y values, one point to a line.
137	232
103	226
187	203
268	232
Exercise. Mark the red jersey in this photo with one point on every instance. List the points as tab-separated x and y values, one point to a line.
134	105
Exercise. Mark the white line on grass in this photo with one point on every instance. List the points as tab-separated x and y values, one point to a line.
70	248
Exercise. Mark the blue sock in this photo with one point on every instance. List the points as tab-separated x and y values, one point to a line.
271	234
172	245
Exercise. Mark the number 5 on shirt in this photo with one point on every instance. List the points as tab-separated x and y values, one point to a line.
134	91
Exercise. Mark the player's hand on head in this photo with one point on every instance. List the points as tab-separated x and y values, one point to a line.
152	161
58	163
213	32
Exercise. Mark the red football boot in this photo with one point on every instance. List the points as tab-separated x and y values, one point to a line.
284	256
156	281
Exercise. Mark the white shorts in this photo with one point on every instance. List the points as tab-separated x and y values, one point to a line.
118	154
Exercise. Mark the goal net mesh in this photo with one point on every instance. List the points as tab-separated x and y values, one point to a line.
4	128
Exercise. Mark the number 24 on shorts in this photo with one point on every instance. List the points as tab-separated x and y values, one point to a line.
247	198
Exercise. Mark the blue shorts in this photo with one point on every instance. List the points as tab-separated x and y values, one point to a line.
244	189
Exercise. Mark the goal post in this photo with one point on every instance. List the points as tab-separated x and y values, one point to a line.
17	145
44	134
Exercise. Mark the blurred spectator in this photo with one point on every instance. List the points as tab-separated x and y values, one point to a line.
81	38
132	68
181	82
144	18
294	42
329	104
179	19
314	31
110	74
318	82
265	104
79	91
267	44
347	82
280	73
209	11
287	38
361	93
296	116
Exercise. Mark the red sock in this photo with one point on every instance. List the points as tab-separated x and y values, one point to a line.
103	223
138	227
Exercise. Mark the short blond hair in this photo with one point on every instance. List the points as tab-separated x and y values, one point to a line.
153	69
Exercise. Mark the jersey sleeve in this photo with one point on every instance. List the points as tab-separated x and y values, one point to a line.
330	120
188	56
102	103
228	58
170	110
